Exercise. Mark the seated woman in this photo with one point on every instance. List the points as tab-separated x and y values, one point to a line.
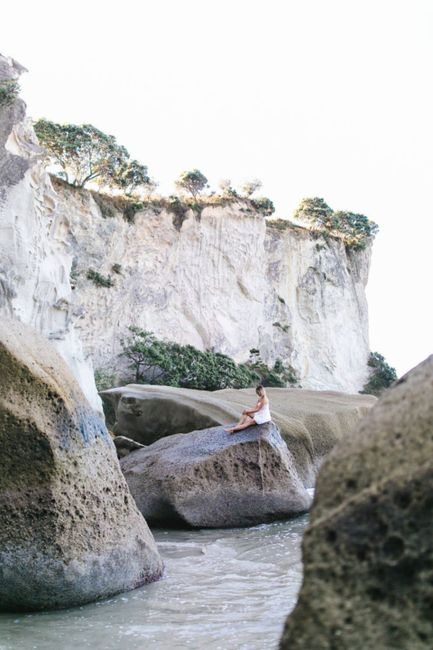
258	415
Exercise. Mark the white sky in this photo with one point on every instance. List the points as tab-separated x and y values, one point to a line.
329	98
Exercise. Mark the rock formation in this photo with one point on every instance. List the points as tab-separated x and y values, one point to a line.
368	552
229	280
70	532
35	257
311	422
214	479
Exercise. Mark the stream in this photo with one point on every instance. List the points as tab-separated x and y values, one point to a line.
224	589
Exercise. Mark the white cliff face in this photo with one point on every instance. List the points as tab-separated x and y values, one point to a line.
227	281
35	257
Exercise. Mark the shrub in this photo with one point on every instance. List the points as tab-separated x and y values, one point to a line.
83	154
99	280
250	187
117	268
9	89
382	375
263	205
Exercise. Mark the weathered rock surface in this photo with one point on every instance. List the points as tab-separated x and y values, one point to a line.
311	422
70	531
229	280
211	478
124	446
35	258
368	552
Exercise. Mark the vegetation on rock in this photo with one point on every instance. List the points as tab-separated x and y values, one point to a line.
355	229
382	375
98	279
9	89
154	361
82	154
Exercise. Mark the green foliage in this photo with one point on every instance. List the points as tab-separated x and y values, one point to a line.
117	268
250	187
160	362
382	375
278	376
263	205
355	229
9	89
98	279
83	154
314	212
193	181
104	379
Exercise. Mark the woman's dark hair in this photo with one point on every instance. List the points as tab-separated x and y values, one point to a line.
259	388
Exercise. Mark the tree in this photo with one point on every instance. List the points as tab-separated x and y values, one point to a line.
193	181
147	356
382	375
314	212
250	187
82	154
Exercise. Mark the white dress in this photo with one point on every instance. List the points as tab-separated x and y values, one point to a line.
262	416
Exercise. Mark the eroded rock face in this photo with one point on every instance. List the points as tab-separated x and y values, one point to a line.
213	479
70	532
229	280
368	552
310	422
35	258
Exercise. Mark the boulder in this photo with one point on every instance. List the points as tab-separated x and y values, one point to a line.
124	446
70	531
310	422
210	478
368	551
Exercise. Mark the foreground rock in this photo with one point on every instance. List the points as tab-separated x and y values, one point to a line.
210	478
310	422
70	532
368	552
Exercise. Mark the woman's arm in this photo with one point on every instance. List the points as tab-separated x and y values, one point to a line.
260	403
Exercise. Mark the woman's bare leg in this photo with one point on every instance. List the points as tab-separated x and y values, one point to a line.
245	422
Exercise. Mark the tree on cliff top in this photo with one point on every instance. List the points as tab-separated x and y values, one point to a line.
355	228
82	154
193	181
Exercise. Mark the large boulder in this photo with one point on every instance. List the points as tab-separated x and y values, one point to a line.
368	552
211	478
310	422
70	531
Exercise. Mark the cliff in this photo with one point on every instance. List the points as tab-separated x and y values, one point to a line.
35	257
226	279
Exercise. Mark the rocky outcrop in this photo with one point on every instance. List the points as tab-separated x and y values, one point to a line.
311	422
214	479
35	257
70	532
368	552
228	280
124	446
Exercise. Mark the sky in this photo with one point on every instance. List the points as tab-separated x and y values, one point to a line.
328	98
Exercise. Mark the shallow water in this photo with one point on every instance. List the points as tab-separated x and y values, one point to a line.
222	590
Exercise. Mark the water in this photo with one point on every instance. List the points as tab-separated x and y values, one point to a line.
222	590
